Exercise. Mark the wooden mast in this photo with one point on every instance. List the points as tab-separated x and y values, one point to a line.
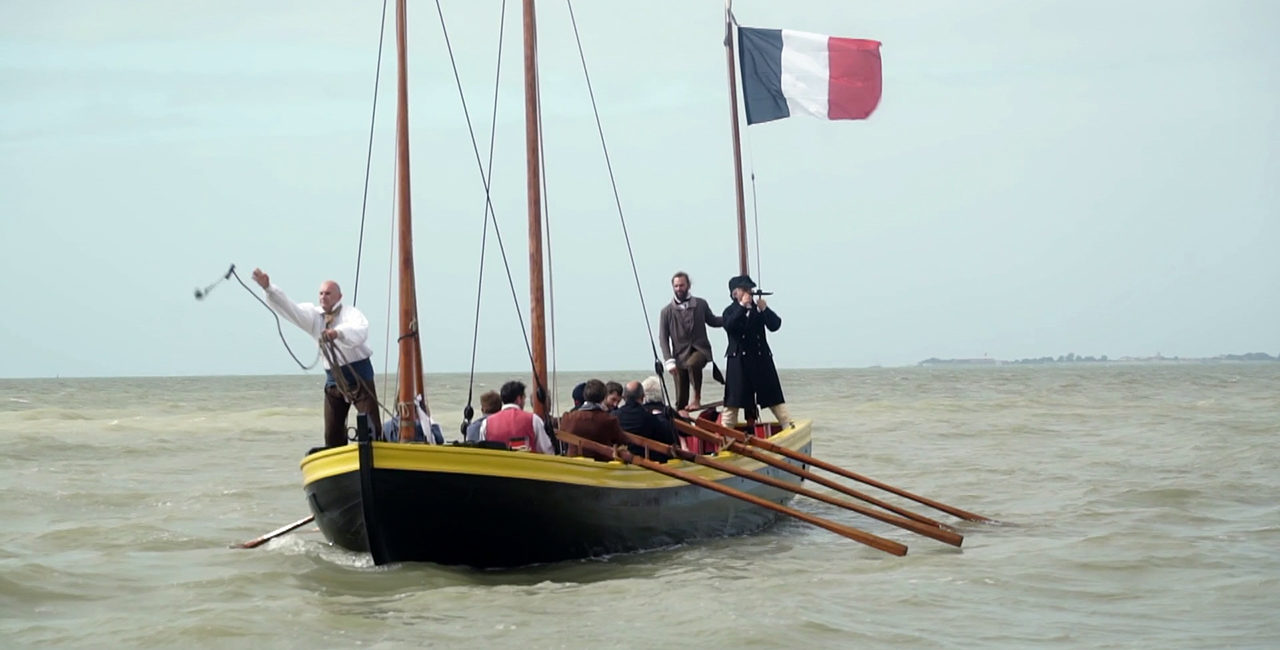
743	268
533	162
410	361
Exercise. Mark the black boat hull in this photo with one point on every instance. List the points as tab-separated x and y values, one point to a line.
493	509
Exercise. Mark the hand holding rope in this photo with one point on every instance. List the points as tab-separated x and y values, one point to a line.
201	294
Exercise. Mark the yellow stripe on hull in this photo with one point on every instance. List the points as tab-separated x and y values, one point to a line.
523	465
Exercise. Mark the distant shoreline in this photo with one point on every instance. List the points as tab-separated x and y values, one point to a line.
1072	358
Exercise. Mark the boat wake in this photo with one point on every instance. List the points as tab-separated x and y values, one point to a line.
311	545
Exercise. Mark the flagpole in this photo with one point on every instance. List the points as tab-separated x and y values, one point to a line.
743	268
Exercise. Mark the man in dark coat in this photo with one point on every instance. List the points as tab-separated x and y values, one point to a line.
637	419
750	376
653	403
592	422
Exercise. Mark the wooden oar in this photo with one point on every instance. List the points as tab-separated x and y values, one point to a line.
939	534
777	449
688	413
886	545
259	541
744	450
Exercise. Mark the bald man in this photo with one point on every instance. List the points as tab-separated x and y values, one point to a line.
348	330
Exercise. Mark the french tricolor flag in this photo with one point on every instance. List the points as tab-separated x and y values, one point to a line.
785	71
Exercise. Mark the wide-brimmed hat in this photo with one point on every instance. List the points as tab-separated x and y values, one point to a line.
743	281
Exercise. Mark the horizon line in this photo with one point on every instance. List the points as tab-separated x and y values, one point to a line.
957	361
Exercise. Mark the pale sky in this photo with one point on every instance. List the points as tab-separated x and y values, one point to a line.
1039	178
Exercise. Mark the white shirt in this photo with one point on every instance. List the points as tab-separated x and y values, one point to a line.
543	443
351	325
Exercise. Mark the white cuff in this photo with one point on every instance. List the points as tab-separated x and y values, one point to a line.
669	365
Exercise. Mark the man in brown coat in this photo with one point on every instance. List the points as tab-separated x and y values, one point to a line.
592	422
682	332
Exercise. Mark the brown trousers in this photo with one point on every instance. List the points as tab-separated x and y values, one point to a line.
336	408
689	373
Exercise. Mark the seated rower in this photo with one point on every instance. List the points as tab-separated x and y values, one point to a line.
593	422
637	419
612	396
654	404
512	425
490	403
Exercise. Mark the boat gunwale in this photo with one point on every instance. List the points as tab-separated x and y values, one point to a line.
458	459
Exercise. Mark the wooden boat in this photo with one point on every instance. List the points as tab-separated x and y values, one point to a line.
496	508
484	507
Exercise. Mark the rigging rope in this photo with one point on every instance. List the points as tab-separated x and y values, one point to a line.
368	163
487	197
332	354
337	360
391	272
657	359
232	272
546	229
468	411
755	217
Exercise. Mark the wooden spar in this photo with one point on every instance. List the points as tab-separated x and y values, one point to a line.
753	441
743	267
709	406
259	541
410	360
749	452
621	453
533	173
675	451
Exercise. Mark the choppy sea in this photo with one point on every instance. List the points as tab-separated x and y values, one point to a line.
1138	508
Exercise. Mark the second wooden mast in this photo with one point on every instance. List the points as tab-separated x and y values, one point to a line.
410	345
533	178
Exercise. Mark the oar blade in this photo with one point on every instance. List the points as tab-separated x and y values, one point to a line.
937	532
874	541
259	541
734	434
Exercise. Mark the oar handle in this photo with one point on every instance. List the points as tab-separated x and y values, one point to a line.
947	536
886	545
778	449
761	456
739	448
